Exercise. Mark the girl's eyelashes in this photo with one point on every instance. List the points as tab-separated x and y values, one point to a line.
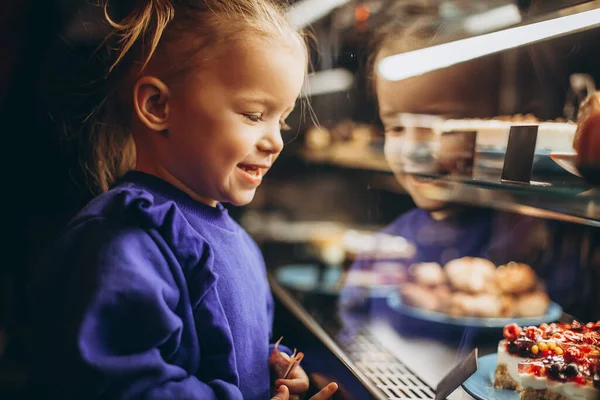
253	117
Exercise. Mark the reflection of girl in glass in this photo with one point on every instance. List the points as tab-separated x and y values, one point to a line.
440	231
410	109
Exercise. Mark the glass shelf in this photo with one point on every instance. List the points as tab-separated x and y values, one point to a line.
564	198
577	203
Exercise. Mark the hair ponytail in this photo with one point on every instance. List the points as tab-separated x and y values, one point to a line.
110	150
149	18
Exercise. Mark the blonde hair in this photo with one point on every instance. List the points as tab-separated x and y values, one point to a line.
180	31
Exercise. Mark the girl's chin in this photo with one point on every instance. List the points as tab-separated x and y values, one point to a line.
242	199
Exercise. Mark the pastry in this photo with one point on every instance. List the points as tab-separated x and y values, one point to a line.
428	274
419	296
474	287
515	278
475	305
443	294
470	274
508	306
533	304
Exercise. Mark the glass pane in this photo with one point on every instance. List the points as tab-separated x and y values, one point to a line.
392	223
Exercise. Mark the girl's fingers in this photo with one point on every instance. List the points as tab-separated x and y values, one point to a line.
282	393
326	392
299	385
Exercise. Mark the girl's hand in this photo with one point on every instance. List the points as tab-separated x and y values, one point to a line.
326	392
282	393
297	382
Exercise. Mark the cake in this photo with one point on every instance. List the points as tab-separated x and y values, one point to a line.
550	362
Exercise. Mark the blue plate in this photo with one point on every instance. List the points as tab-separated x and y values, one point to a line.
480	384
309	278
395	302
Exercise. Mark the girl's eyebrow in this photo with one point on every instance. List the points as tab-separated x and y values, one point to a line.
257	98
264	100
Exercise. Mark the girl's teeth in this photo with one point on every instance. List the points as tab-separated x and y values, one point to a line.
251	170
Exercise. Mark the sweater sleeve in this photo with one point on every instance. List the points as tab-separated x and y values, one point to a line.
127	331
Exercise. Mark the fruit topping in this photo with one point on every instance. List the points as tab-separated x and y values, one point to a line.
512	332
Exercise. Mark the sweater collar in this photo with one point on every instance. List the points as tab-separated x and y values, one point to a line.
216	215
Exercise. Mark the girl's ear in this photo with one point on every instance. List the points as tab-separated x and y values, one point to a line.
151	103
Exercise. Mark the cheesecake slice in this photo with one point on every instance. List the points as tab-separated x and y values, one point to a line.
550	362
507	369
558	378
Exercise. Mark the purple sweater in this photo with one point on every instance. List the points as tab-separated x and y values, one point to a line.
151	295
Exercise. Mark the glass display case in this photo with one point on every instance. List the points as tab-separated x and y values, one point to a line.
438	183
435	196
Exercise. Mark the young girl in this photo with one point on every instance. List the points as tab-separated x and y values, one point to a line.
153	291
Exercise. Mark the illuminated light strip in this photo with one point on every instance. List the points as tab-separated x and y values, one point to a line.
418	62
306	12
328	81
493	20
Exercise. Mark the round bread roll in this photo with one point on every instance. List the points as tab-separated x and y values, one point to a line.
470	274
428	274
533	304
493	288
509	306
515	278
488	306
419	296
460	304
443	294
475	305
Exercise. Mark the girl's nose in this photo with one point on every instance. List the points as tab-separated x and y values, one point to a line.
272	142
